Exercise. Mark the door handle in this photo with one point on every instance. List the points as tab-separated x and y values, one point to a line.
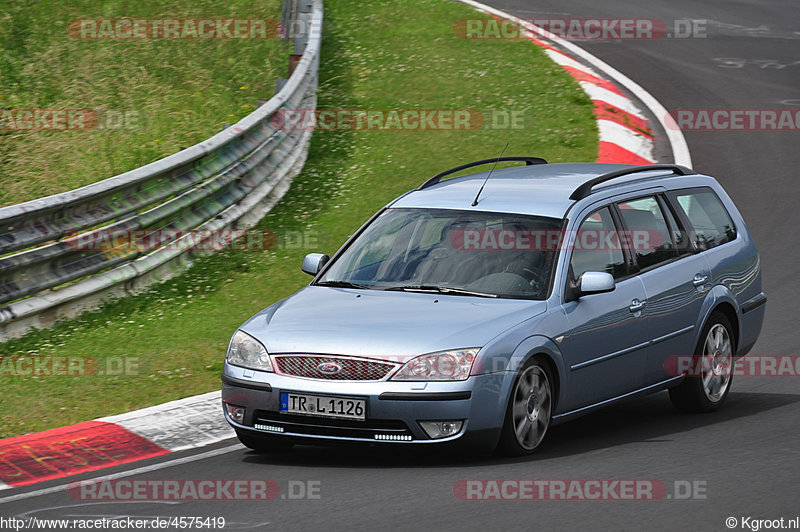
637	305
699	279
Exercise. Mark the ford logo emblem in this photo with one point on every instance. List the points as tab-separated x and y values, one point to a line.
329	368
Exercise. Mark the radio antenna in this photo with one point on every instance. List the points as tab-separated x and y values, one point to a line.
475	201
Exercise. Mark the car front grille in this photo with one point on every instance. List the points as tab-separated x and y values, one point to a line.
333	367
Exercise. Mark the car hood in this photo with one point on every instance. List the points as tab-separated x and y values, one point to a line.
373	323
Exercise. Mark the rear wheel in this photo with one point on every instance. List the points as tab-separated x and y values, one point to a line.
529	410
264	444
707	389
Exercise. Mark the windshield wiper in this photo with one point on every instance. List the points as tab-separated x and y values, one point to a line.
438	290
343	284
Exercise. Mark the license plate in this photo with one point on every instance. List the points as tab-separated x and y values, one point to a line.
323	406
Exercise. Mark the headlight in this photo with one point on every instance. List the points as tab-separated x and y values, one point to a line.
247	352
452	365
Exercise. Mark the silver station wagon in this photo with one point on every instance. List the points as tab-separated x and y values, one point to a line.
480	309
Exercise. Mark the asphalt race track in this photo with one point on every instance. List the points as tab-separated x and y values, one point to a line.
740	462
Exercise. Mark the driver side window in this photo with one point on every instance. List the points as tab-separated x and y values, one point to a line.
597	248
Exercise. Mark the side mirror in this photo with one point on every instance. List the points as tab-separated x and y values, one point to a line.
596	283
313	263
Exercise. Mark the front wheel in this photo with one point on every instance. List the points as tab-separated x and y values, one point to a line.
529	410
707	390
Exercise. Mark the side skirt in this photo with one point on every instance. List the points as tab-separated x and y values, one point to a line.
560	418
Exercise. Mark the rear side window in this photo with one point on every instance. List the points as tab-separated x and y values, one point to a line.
711	222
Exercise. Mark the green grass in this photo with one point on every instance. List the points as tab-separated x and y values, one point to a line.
176	92
374	57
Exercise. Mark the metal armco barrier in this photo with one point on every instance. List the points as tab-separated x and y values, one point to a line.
227	181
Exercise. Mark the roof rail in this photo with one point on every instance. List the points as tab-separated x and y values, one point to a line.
586	189
438	177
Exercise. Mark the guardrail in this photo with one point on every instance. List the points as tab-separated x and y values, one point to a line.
227	181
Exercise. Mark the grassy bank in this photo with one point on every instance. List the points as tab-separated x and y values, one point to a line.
375	56
151	97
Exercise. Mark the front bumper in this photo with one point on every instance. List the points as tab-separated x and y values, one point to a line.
393	408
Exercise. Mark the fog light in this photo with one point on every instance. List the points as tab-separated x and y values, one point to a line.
236	413
441	429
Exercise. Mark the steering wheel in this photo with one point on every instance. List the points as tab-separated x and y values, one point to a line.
534	279
531	276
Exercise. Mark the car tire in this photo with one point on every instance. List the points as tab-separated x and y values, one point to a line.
529	410
707	388
264	444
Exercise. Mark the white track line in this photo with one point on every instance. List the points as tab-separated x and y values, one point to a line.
680	150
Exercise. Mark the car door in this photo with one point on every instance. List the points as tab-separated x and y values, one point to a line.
605	346
675	279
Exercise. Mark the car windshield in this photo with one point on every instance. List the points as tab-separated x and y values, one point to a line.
455	252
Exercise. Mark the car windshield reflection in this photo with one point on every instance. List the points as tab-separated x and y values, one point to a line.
455	252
